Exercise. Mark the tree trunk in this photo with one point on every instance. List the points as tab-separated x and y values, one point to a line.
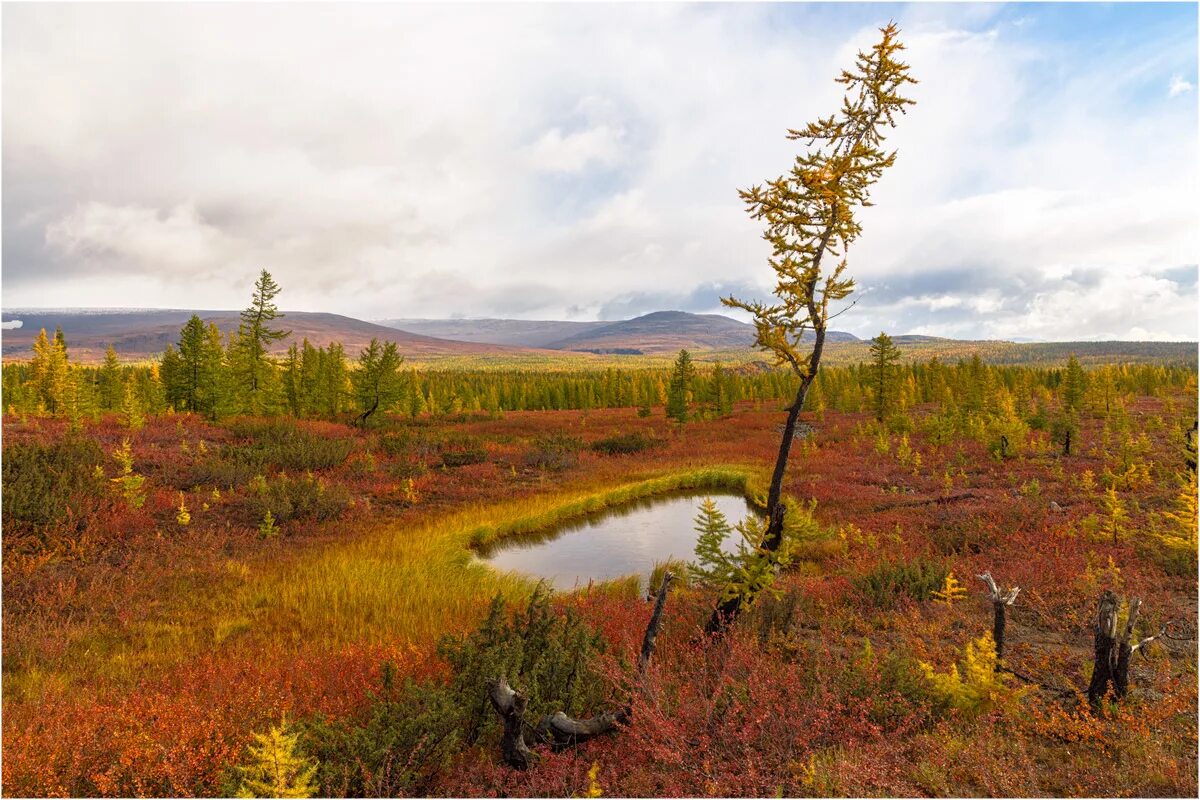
998	622
1113	651
510	705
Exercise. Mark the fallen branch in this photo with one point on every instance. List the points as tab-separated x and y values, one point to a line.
953	498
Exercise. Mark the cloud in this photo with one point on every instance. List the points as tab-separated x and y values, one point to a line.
1179	86
543	161
572	152
176	240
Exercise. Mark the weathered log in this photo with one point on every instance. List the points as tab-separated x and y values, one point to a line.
1000	603
928	501
510	705
562	731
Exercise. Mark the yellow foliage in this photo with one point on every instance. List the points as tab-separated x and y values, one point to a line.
1115	514
977	687
277	768
951	590
183	517
594	789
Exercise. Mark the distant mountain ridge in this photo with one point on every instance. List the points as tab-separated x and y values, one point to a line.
139	334
515	332
657	333
143	333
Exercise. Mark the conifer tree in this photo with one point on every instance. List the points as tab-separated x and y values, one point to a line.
131	406
810	216
377	380
49	371
109	389
196	374
712	564
679	388
277	767
255	337
1073	386
884	357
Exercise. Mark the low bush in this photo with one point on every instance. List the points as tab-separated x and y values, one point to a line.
889	582
283	444
44	484
460	451
555	452
416	443
624	443
412	730
305	497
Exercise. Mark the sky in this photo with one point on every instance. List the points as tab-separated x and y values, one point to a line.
583	161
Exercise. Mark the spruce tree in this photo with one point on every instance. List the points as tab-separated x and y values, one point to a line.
1074	385
199	363
712	564
109	389
376	382
679	387
884	357
255	337
810	216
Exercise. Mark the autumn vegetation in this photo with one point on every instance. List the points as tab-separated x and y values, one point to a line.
229	573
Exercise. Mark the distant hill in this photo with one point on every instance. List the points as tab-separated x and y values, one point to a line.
143	333
514	332
656	333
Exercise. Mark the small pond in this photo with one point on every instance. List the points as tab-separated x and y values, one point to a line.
626	540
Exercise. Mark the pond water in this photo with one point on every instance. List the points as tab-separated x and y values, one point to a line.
625	540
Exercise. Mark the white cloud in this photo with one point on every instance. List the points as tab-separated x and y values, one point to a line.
572	152
1179	86
415	160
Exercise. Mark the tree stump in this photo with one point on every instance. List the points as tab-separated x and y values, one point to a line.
1113	651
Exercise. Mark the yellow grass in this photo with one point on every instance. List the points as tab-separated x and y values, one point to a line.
411	584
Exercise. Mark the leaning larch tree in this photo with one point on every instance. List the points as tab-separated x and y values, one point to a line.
809	216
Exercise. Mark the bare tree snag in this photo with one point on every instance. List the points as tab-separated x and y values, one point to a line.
510	705
1113	652
1105	656
651	637
1189	447
558	729
562	731
1000	603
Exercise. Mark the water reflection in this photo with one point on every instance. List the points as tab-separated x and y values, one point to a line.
625	540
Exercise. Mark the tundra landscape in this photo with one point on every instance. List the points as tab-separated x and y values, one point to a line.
552	529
